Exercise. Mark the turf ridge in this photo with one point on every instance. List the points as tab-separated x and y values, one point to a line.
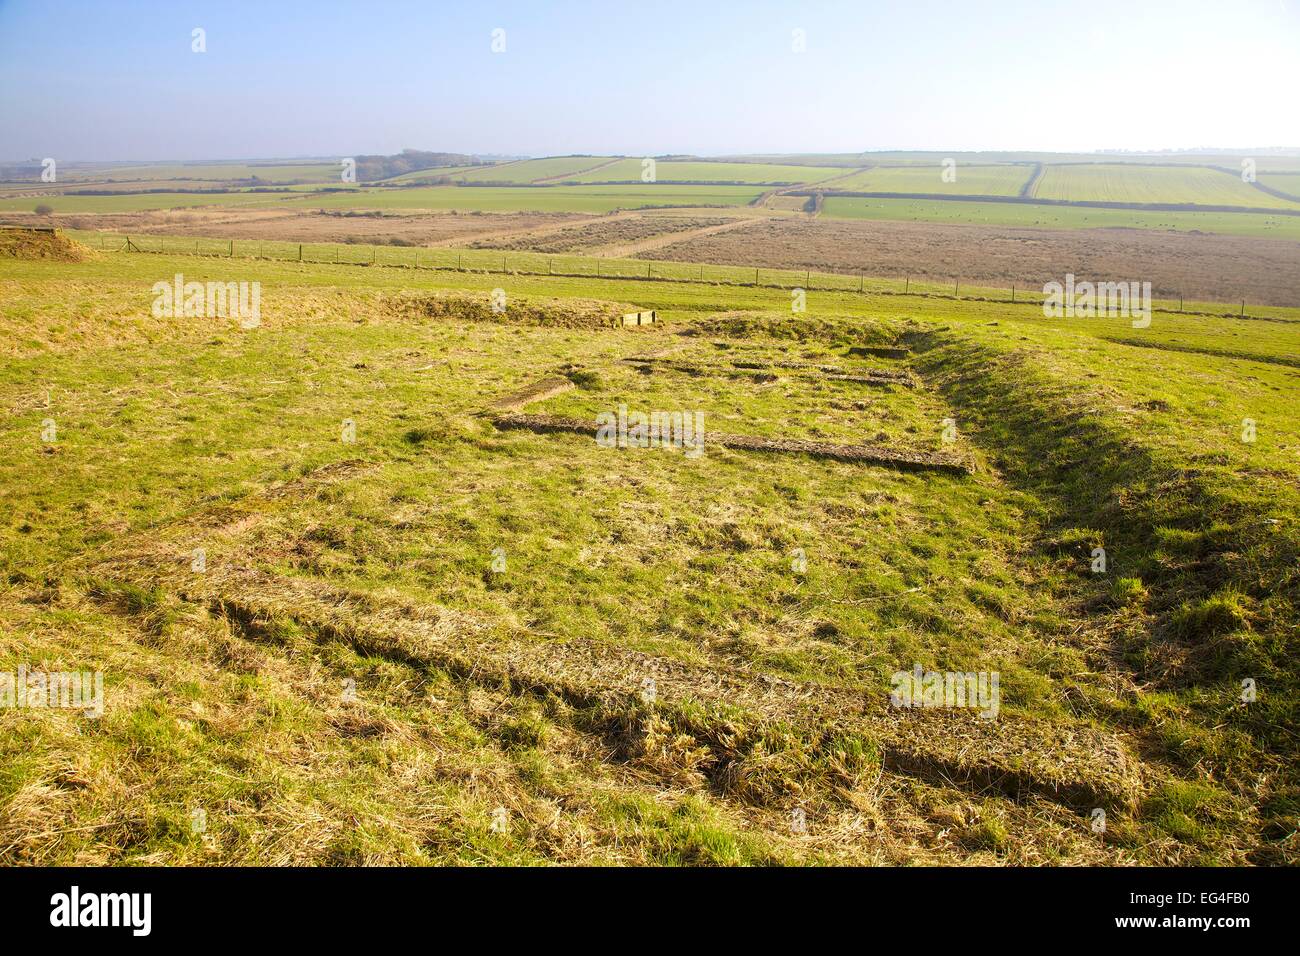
857	454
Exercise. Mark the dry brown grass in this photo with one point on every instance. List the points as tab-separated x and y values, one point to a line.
32	244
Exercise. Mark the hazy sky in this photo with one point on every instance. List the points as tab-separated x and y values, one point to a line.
118	80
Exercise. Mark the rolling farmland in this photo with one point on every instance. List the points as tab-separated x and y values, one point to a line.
970	180
1261	224
1151	184
666	171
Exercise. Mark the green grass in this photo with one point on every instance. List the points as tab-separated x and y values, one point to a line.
1062	217
321	172
1151	184
971	180
171	432
137	202
1282	182
531	170
668	171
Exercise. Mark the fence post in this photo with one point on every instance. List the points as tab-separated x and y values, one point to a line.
1180	302
550	266
300	252
755	277
1013	294
907	285
1243	308
458	258
955	284
859	281
230	254
647	270
196	247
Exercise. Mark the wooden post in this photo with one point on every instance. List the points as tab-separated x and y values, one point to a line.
907	285
954	287
859	281
647	270
755	277
1013	294
1180	302
231	253
550	267
196	247
458	258
1243	308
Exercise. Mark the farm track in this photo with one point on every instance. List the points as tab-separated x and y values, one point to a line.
1030	187
634	249
580	172
763	200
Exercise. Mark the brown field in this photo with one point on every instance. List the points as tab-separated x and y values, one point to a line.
300	225
602	232
1213	267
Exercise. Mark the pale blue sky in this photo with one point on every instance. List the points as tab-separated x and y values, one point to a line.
117	80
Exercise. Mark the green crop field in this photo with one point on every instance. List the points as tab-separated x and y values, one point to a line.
136	202
531	170
1283	182
216	172
970	180
411	623
629	170
436	172
1061	217
1151	184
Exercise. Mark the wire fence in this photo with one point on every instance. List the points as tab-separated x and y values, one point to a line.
489	261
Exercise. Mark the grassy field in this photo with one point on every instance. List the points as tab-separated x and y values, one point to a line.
1151	184
1061	217
970	180
445	642
1283	182
318	172
135	202
591	199
629	170
531	170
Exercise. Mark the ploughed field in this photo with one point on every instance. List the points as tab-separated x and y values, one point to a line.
437	620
